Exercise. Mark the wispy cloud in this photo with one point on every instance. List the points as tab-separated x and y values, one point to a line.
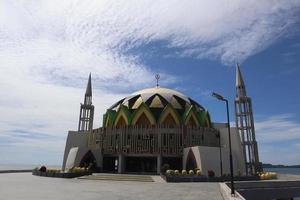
278	128
278	137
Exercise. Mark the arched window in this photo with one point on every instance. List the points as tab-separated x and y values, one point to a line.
191	122
169	117
143	121
169	121
121	122
143	116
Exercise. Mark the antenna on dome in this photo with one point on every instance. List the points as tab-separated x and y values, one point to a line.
157	77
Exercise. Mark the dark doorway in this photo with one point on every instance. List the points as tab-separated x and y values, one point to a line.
110	164
88	161
191	163
173	162
141	164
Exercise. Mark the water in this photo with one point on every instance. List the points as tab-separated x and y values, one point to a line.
295	171
24	166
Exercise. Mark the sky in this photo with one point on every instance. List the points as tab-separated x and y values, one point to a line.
48	48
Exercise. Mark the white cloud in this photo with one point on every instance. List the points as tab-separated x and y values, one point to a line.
279	154
278	128
47	49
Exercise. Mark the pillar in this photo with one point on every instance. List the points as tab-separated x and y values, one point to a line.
121	164
159	163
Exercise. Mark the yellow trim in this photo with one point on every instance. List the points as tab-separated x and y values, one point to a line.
175	103
137	103
142	109
121	114
191	114
156	102
107	121
169	110
207	122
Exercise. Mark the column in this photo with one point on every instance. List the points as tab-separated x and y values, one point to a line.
121	164
159	163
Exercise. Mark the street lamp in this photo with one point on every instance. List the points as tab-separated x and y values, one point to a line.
221	98
221	165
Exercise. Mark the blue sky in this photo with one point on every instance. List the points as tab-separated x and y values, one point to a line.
48	48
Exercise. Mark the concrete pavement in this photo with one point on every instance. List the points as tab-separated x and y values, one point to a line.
25	186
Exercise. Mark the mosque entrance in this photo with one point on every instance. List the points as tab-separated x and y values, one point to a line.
173	162
141	164
110	164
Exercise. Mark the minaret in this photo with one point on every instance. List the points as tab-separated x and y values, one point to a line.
86	116
245	125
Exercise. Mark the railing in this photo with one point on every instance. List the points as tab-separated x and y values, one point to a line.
151	140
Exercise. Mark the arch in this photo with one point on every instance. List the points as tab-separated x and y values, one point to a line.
191	121
120	122
106	122
143	120
191	162
207	119
204	119
190	117
144	111
88	160
168	115
169	120
124	114
108	118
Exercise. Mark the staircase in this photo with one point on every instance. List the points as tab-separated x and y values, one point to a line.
119	177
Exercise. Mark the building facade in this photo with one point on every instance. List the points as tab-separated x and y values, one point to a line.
151	128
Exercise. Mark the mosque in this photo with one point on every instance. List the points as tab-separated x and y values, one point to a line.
155	127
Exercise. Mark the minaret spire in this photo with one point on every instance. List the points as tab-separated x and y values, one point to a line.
239	83
86	116
245	125
88	91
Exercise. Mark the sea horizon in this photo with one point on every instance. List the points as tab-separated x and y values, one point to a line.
26	166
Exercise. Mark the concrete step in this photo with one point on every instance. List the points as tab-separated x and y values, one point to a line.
119	177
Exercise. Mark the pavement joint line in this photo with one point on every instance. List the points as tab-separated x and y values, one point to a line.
118	178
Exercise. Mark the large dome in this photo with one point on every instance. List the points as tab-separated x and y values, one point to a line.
156	101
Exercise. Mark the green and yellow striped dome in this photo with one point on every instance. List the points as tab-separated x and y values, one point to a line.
154	106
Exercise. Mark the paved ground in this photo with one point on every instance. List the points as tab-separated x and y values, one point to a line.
25	186
289	177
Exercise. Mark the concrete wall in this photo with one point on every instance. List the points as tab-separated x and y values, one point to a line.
208	158
80	140
237	149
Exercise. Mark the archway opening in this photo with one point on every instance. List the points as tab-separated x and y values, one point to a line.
88	161
191	163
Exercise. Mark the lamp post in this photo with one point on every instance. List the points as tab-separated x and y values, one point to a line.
221	98
221	165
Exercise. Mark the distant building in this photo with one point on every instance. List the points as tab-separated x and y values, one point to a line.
154	127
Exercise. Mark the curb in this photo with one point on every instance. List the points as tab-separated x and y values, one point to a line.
226	193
